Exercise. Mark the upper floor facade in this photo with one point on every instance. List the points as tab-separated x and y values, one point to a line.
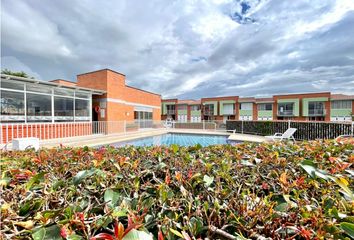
321	106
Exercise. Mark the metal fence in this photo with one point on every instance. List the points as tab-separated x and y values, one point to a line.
306	130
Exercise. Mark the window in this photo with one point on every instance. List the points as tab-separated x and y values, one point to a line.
63	109
209	109
246	106
80	94
39	105
12	103
82	108
341	104
63	92
286	109
38	88
11	84
265	107
195	108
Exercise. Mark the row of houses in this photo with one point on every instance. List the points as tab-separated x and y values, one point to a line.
321	106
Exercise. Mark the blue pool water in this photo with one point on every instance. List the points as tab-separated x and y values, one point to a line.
180	139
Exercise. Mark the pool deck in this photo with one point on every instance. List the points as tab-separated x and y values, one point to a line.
96	140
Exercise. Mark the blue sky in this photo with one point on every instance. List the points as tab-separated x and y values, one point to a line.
187	48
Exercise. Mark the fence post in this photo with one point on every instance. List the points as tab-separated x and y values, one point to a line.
352	128
242	126
289	123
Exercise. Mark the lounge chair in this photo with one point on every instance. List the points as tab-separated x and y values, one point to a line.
287	135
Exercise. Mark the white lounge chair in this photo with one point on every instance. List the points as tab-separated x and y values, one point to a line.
287	135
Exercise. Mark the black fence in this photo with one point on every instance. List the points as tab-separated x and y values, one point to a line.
305	130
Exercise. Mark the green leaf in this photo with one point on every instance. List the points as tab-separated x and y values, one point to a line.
111	197
348	228
74	237
49	233
175	232
175	148
35	179
82	175
343	183
312	170
5	181
208	180
137	235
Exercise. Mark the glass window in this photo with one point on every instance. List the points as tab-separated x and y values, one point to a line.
195	108
82	108
12	84
64	92
265	107
38	88
63	106
80	94
246	106
12	103
343	104
39	105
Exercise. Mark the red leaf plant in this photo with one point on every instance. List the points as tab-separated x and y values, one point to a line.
119	231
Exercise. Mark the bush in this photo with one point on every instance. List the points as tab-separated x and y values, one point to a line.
251	191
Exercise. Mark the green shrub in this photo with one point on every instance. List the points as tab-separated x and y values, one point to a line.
277	191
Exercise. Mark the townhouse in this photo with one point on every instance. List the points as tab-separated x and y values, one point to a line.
321	106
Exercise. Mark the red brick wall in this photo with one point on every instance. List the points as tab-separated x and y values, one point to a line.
114	84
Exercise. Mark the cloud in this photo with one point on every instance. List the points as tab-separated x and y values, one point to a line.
184	48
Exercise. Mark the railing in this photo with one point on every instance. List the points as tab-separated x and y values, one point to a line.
317	112
286	113
208	113
229	112
171	112
45	131
306	130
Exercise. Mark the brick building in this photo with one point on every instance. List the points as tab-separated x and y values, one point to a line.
321	106
31	105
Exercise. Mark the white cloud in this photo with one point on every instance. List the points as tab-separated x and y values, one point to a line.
188	48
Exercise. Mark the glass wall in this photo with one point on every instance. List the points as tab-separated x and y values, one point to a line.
144	119
39	107
30	102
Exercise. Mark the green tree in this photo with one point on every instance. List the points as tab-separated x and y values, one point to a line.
17	74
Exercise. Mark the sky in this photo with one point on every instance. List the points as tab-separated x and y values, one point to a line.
186	48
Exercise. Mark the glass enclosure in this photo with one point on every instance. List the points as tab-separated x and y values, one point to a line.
31	102
144	119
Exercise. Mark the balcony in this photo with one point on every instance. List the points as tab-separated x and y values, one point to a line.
208	113
171	112
229	112
286	113
317	112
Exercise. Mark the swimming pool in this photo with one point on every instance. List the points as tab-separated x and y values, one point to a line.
177	138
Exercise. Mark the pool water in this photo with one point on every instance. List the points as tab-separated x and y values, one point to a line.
179	139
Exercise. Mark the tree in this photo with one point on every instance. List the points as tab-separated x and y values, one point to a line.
17	74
